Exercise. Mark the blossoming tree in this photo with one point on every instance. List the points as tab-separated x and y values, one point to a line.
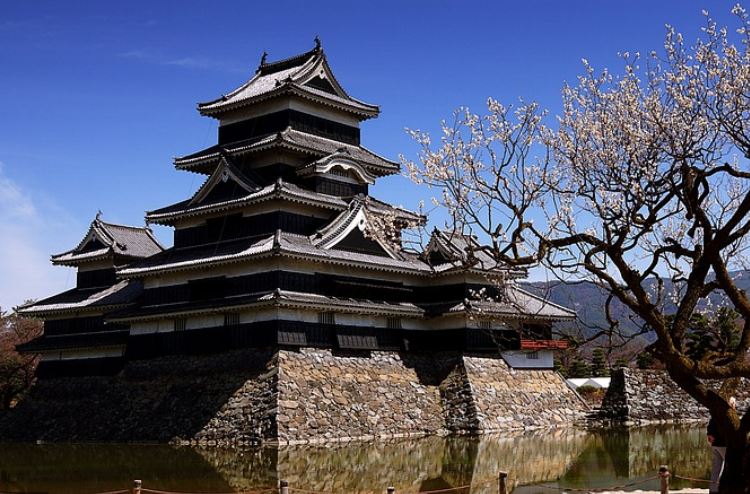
641	185
16	371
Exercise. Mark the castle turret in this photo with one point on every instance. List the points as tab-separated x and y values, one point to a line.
76	338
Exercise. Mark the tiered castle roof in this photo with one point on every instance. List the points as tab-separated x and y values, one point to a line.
281	231
306	76
320	148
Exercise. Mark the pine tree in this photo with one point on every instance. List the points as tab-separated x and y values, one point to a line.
599	366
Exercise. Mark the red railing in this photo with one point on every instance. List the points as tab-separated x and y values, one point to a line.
544	344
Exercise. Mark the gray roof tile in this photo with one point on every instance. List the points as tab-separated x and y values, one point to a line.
289	77
76	300
311	144
277	190
126	241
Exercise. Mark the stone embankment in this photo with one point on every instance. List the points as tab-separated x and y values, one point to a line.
647	396
288	397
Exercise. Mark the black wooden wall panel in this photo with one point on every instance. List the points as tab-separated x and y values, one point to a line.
278	121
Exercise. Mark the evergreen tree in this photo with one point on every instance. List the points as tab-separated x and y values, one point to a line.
579	368
644	360
620	362
599	366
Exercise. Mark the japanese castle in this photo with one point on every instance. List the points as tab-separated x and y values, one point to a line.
276	249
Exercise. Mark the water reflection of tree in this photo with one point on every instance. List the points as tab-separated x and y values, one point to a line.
637	453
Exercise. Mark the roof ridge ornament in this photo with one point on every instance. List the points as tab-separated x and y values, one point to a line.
318	44
263	58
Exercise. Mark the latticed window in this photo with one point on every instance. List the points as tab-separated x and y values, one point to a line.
339	171
326	318
394	323
485	325
231	319
180	324
532	356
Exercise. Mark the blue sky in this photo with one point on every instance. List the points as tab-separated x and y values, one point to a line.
98	97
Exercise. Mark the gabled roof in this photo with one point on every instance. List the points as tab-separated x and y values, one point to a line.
310	144
278	190
307	76
85	300
341	159
107	239
358	217
517	303
223	173
460	251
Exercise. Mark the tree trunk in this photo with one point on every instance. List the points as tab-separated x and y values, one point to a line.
6	398
736	477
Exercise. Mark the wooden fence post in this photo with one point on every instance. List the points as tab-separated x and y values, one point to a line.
137	484
284	487
664	479
391	490
502	483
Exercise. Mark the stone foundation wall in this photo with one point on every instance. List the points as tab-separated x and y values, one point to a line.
327	396
457	397
163	400
643	396
519	398
286	396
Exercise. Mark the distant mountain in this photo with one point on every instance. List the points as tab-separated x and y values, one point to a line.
589	302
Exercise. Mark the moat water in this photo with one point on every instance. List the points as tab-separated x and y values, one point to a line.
572	458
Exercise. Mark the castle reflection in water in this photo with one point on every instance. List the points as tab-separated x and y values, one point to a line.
568	457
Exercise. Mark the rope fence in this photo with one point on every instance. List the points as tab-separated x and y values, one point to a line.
691	479
501	479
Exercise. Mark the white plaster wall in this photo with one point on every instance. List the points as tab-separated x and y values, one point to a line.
147	327
208	321
268	314
521	360
86	353
298	315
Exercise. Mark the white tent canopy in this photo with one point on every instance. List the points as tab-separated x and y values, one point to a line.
594	382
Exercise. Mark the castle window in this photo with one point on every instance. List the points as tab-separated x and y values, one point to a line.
394	323
231	319
180	324
485	325
532	356
326	318
339	171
